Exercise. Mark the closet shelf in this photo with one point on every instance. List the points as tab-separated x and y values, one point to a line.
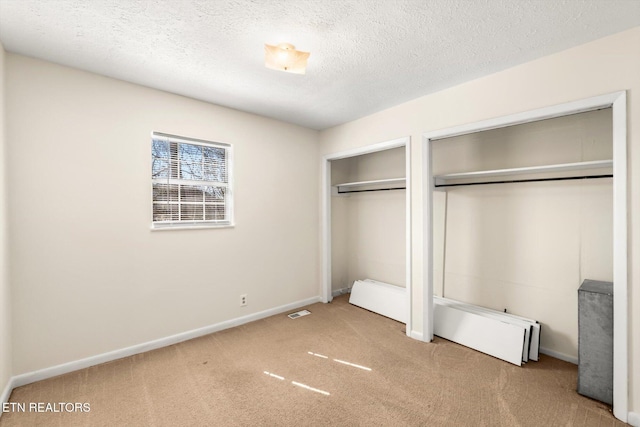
375	185
444	180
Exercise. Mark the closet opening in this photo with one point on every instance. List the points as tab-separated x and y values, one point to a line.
366	221
520	210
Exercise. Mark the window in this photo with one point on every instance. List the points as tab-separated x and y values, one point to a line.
191	182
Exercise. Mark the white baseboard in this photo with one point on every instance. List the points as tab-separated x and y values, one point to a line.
342	291
557	355
31	377
634	419
6	393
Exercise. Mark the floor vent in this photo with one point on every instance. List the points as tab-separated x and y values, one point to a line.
299	314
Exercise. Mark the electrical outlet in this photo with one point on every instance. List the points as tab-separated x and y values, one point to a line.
243	300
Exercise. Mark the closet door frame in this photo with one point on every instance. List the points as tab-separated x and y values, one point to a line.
617	102
326	295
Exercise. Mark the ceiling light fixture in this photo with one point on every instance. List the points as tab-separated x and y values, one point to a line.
285	57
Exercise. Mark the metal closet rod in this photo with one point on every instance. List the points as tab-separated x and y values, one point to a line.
375	189
512	181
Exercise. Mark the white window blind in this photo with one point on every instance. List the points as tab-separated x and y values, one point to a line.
191	182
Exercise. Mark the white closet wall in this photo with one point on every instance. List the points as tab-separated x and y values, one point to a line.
368	229
526	247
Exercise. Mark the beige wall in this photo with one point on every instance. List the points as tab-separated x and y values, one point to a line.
5	296
89	274
603	66
368	232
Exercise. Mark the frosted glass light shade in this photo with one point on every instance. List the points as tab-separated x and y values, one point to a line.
285	57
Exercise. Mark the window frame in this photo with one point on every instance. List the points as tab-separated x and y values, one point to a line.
229	193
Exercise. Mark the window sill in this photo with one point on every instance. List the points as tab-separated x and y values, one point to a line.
189	227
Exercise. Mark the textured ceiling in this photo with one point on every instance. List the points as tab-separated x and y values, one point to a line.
366	55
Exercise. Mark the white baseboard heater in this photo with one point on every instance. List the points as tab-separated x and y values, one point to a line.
382	298
512	338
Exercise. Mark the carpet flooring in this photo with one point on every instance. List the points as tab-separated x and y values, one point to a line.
340	366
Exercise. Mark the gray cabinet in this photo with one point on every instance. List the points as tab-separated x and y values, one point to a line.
595	340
